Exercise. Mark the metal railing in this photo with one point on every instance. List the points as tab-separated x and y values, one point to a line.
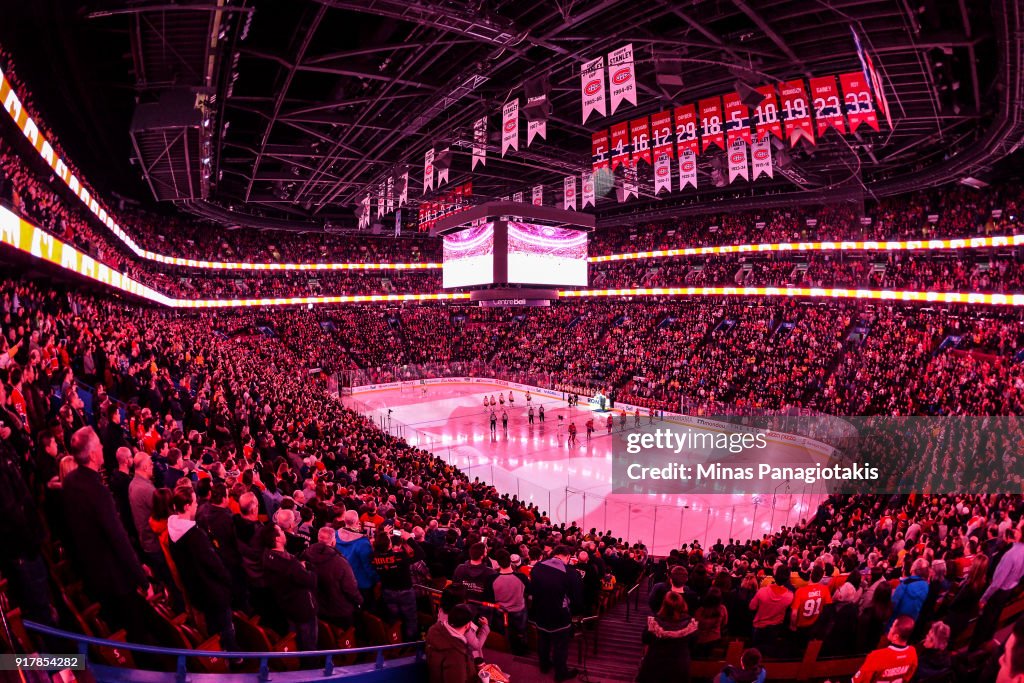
182	674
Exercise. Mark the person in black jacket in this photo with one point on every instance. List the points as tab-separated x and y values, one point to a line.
393	567
204	576
337	591
102	551
293	586
557	593
214	517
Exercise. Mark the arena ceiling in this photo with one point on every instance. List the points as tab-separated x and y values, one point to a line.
308	104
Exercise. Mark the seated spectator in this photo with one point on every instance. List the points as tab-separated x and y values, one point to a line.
448	655
749	670
934	660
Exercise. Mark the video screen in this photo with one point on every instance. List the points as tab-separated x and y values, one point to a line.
546	255
469	257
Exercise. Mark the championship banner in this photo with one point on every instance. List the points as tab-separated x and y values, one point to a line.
737	119
798	117
662	173
860	107
761	155
662	134
621	79
380	199
686	129
538	195
536	128
428	170
640	132
390	194
620	144
479	143
738	161
766	114
510	126
711	123
364	218
403	196
517	197
569	193
442	173
687	168
599	150
828	110
589	198
592	88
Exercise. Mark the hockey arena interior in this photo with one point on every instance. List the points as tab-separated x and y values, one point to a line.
447	341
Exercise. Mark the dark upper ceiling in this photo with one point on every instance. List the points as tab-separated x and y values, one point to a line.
311	102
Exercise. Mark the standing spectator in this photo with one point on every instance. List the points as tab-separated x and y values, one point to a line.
909	597
102	550
510	588
677	578
293	586
118	482
667	638
557	592
897	662
448	656
934	659
393	567
338	595
476	574
1009	573
140	500
1011	663
712	618
214	517
206	580
770	604
355	547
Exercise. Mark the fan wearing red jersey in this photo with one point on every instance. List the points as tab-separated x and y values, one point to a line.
808	603
894	664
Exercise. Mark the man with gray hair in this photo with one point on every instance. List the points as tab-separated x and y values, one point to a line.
101	549
338	595
353	544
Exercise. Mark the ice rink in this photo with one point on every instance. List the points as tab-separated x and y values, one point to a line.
535	463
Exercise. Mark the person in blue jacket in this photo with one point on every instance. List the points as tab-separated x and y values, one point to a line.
355	546
910	595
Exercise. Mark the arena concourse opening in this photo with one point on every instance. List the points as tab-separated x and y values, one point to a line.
503	341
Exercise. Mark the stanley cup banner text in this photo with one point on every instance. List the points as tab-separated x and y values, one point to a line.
592	88
687	169
711	123
403	196
860	107
517	197
428	171
569	192
686	129
510	126
738	161
737	119
662	173
761	154
589	198
621	79
391	194
479	142
639	130
538	195
534	128
380	199
662	134
828	110
798	116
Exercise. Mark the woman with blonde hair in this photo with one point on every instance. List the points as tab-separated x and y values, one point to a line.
933	658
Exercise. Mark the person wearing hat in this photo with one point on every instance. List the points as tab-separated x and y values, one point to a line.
557	592
448	656
510	588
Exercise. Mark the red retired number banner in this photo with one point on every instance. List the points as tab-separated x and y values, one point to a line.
640	132
737	120
860	107
620	145
662	135
711	123
798	116
599	150
766	114
828	110
686	129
